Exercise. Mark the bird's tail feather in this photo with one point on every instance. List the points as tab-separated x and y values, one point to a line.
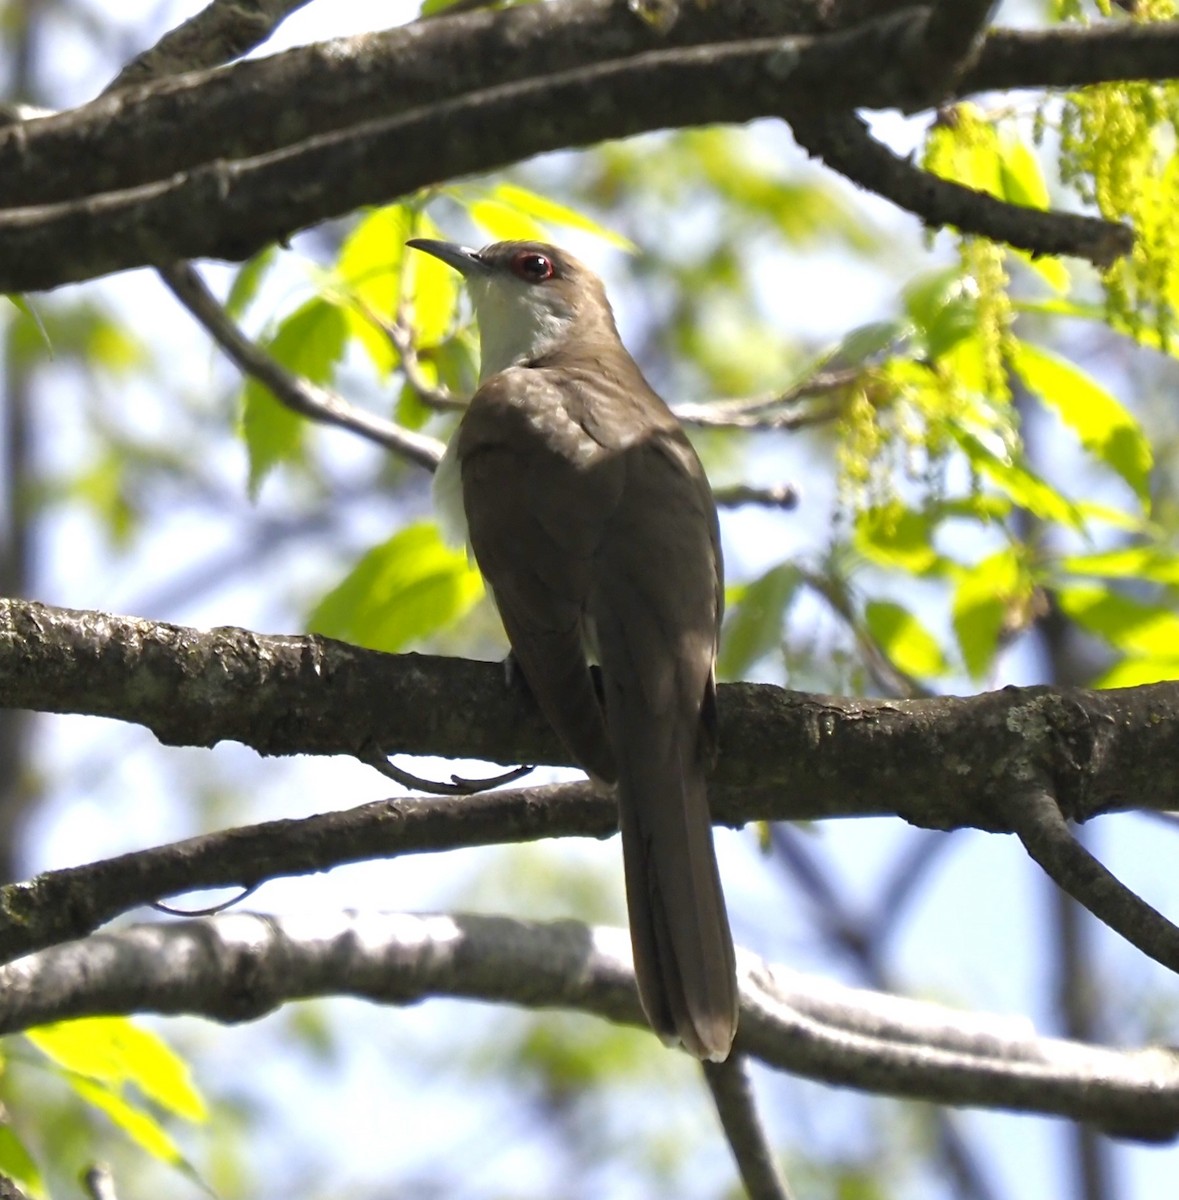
680	933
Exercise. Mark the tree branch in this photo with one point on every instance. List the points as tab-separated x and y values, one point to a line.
732	1093
298	394
936	762
843	142
222	31
1041	827
220	163
240	967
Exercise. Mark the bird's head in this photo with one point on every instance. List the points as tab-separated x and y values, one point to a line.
529	297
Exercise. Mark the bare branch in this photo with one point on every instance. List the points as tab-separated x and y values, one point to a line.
296	393
239	967
220	164
1040	825
937	762
219	33
844	143
781	495
732	1093
952	40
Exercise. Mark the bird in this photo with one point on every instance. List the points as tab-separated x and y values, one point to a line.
592	522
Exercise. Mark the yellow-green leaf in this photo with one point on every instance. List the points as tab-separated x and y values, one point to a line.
1104	426
116	1052
401	591
757	611
18	1165
550	212
1133	672
982	600
892	535
309	343
1023	486
1132	626
1132	562
140	1126
902	637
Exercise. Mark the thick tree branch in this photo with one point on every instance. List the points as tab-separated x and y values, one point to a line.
937	762
220	163
239	967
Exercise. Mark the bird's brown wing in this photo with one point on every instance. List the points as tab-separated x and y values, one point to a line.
656	605
537	490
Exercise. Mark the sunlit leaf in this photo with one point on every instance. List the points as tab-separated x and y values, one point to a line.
248	280
139	1125
309	343
1104	426
892	535
27	310
115	1051
1133	672
902	637
1131	562
17	1163
504	223
431	290
401	591
551	212
757	614
369	267
1022	485
982	601
1133	626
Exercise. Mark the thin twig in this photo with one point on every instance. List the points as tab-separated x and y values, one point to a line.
732	1093
299	395
780	495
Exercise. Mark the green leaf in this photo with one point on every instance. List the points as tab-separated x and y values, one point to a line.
1023	486
1133	672
1021	176
27	310
400	592
757	613
140	1126
309	342
1104	426
894	536
18	1165
1133	562
369	267
866	340
943	308
1132	626
248	280
544	212
115	1051
907	643
982	600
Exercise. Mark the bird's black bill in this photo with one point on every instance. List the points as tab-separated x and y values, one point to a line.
464	260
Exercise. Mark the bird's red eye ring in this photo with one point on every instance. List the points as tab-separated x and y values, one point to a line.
532	267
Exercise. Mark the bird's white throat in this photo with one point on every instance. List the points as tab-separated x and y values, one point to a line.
517	322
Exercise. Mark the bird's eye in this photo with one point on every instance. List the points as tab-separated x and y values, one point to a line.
532	267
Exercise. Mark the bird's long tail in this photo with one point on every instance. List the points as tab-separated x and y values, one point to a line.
683	947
